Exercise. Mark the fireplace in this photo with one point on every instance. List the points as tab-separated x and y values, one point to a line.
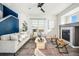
70	33
66	35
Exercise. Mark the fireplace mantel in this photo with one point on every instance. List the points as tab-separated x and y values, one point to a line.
70	24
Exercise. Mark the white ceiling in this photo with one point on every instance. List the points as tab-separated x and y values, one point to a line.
32	9
50	8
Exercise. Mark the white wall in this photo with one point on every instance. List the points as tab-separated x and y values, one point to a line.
1	14
1	9
68	19
22	18
53	19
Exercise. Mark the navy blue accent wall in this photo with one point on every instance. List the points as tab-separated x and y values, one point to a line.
10	25
7	11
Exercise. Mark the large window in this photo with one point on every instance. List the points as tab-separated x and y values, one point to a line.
42	23
38	23
34	23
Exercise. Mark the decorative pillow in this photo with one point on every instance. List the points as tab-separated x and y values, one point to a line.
14	36
22	36
5	37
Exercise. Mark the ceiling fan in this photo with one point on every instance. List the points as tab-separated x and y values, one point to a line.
40	6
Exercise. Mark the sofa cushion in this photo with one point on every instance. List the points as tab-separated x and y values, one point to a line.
5	37
14	36
22	36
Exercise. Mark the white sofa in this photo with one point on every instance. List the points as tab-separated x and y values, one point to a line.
11	43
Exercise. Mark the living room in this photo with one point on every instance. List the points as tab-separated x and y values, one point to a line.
24	23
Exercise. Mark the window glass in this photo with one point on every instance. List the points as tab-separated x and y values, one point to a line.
38	23
73	19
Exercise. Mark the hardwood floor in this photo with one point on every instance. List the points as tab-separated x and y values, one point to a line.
28	49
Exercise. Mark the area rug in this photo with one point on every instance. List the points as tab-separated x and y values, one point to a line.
50	50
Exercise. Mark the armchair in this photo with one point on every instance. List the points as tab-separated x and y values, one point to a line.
61	44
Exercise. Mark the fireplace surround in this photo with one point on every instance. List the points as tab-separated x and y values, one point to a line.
70	32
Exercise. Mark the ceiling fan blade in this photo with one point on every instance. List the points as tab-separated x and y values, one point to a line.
40	4
42	10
